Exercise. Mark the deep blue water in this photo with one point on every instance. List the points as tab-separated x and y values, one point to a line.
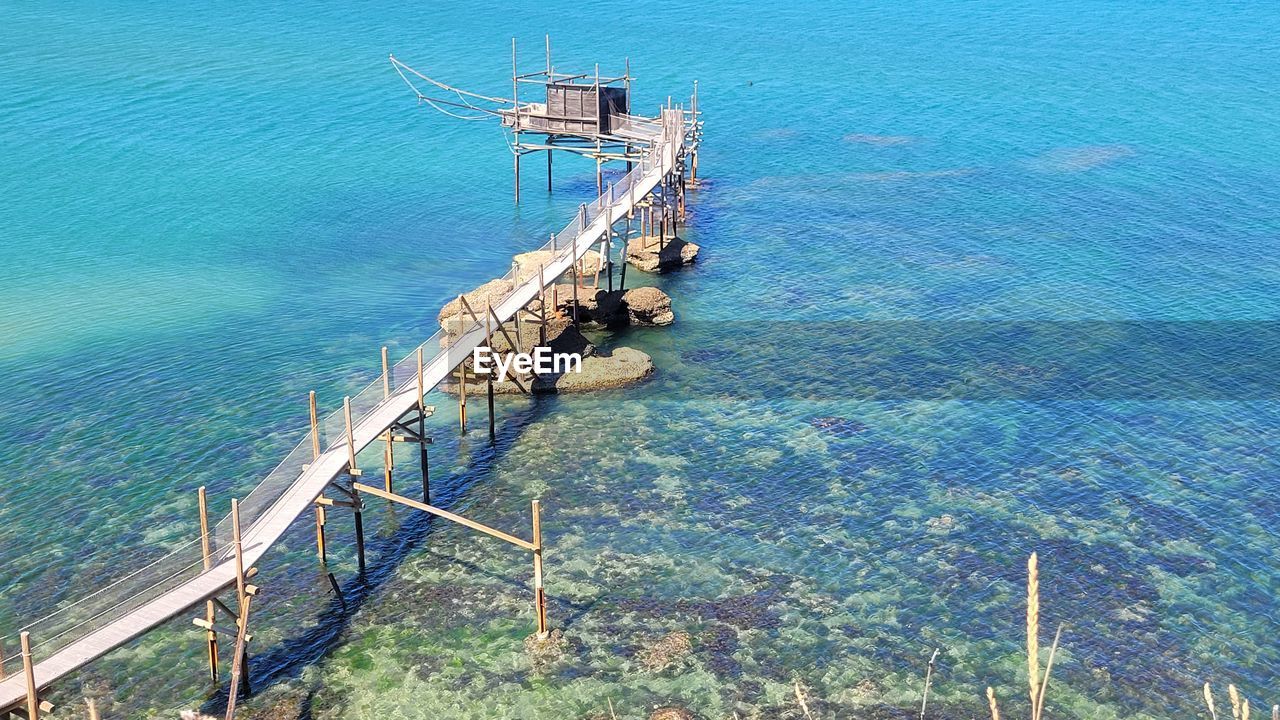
1032	240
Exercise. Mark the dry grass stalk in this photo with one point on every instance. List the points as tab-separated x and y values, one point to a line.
1208	701
800	699
1048	668
1275	712
991	700
1033	627
928	679
1235	701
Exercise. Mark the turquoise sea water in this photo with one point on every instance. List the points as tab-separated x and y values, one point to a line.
1026	237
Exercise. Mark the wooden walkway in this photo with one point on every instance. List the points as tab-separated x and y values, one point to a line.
299	497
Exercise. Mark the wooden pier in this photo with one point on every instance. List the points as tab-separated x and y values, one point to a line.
391	410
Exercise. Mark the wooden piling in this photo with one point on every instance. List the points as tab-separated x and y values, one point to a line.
693	161
320	544
462	377
29	671
662	220
608	236
239	665
315	455
488	341
548	170
539	595
622	275
515	102
388	454
357	507
575	294
211	637
3	674
422	431
239	662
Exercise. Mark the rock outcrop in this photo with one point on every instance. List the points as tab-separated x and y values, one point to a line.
600	370
640	307
648	254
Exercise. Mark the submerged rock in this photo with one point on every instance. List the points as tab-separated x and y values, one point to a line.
671	713
666	651
546	651
648	254
620	366
600	370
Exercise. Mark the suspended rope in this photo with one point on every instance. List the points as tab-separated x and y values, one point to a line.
443	86
436	102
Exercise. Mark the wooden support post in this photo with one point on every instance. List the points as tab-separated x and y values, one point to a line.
542	306
515	103
517	163
315	455
388	454
539	595
608	236
622	276
462	397
575	294
239	665
357	506
351	442
3	674
662	221
519	342
28	670
211	638
320	545
422	431
462	377
548	169
693	164
488	341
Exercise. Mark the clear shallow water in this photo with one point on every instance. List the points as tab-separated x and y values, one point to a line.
211	211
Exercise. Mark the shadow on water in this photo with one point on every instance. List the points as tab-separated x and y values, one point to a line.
287	659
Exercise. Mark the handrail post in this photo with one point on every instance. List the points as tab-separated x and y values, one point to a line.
351	443
28	669
211	637
315	455
542	305
239	552
315	426
388	455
